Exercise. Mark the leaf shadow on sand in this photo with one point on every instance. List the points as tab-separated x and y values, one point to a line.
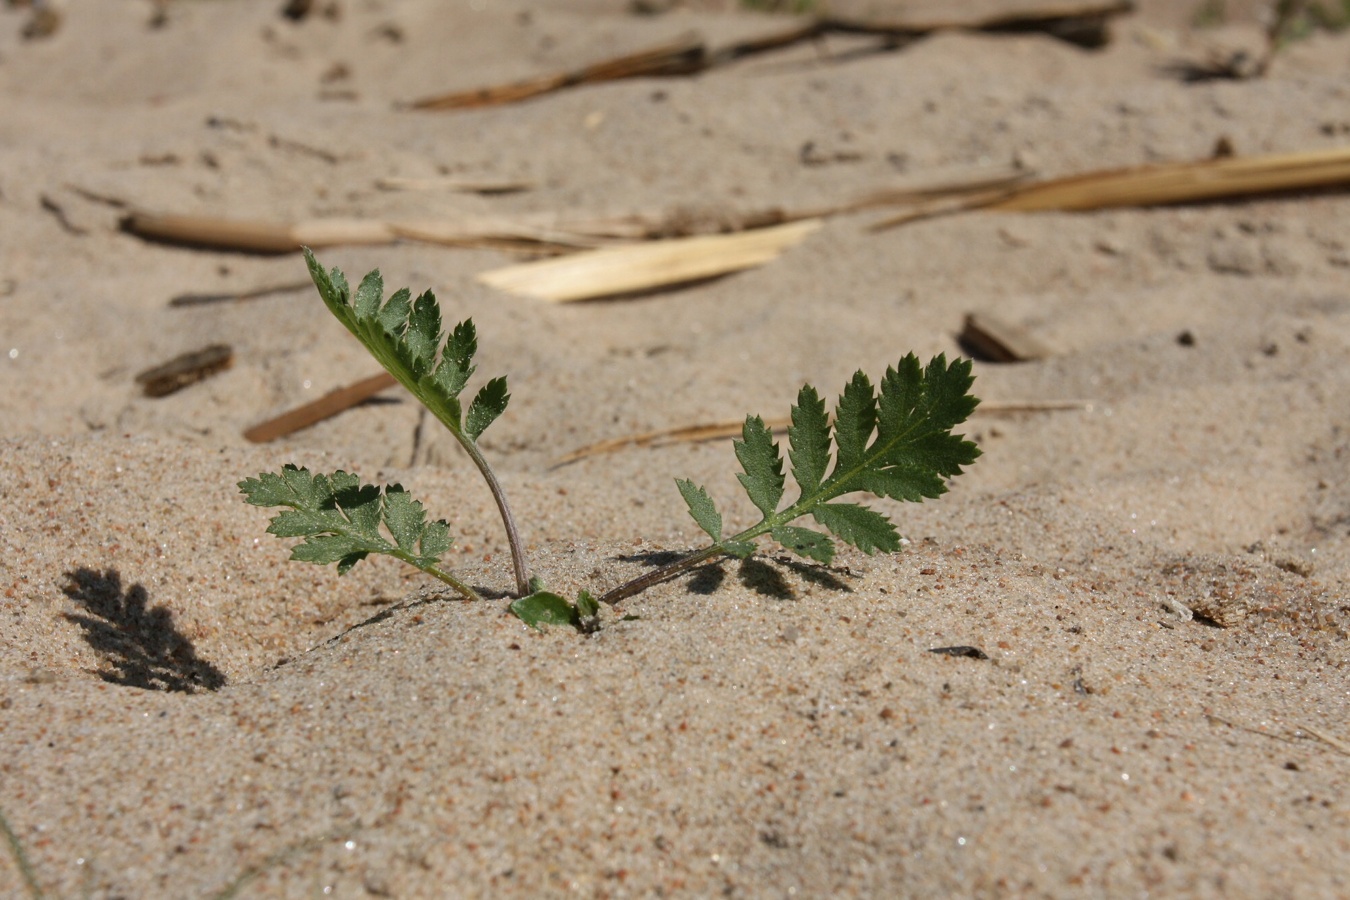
140	644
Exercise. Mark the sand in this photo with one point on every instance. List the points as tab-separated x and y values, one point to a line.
1157	578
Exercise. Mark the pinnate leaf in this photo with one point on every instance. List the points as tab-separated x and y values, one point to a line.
897	444
340	518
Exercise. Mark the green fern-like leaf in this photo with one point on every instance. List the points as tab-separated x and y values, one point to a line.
405	336
896	443
340	520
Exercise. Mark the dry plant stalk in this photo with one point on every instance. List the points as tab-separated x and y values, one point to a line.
325	407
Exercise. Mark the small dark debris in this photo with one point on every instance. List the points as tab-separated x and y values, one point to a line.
185	370
971	652
1186	338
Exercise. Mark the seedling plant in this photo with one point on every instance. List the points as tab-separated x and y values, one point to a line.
893	441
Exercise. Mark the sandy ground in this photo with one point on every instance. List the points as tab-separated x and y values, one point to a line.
181	708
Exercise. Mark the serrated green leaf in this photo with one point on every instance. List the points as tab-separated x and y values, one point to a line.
361	504
301	522
424	332
345	564
332	288
306	491
809	440
544	608
368	294
436	540
805	542
487	405
701	508
762	463
864	528
855	418
268	489
392	320
913	483
902	395
404	517
323	549
462	345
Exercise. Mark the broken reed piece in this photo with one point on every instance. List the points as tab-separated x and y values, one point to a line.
255	236
184	370
634	268
988	337
711	431
325	407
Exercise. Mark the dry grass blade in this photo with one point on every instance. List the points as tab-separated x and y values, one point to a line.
712	431
642	267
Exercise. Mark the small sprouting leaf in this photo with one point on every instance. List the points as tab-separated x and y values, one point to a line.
739	549
587	605
864	528
763	465
701	508
805	542
487	405
809	440
588	613
544	608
